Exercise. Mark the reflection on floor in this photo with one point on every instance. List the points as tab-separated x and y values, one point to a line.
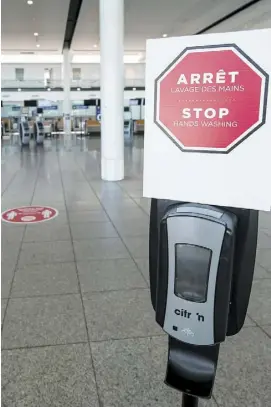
78	327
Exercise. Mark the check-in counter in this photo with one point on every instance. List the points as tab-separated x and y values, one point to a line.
93	126
139	126
47	127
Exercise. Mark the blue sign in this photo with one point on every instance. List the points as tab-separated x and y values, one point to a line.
98	114
53	107
79	107
16	108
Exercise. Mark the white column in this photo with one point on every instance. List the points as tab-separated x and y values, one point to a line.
112	89
67	92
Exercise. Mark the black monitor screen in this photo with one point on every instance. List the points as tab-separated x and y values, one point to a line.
30	103
90	102
26	127
40	125
192	266
126	109
39	110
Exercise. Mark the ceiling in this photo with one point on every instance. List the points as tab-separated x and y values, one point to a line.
143	19
20	21
151	19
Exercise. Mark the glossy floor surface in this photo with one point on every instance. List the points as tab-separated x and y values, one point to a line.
78	326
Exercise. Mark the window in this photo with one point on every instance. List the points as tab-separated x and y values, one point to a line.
76	74
19	74
48	73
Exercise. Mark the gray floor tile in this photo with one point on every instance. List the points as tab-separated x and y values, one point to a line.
249	322
46	252
265	220
260	272
3	308
108	196
130	184
264	258
137	246
105	275
144	203
7	273
44	321
41	197
130	227
54	376
83	205
260	302
60	219
264	241
135	193
122	213
85	194
103	186
45	279
143	265
90	230
10	252
8	203
130	373
59	205
88	216
12	233
47	232
267	329
120	314
244	369
43	191
100	249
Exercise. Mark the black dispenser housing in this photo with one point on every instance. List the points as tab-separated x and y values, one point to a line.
191	369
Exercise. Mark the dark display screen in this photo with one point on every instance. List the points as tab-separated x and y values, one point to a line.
192	267
30	103
90	102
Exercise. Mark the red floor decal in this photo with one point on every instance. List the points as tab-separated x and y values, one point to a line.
29	214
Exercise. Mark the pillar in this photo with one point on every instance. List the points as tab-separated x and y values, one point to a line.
67	91
112	89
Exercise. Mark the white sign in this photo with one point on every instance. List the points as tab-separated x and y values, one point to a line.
208	119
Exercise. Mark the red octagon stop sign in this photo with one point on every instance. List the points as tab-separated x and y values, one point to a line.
211	98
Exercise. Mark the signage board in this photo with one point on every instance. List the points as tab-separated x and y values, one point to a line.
79	107
208	118
52	107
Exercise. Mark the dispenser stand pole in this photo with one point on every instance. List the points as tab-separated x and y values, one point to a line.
189	401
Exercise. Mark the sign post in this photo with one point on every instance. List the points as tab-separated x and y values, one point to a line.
207	169
208	118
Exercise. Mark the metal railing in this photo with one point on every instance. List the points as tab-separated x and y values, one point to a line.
58	83
30	83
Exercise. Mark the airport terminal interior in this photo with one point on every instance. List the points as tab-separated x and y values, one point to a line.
78	326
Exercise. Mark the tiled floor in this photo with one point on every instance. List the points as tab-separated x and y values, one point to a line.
78	326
